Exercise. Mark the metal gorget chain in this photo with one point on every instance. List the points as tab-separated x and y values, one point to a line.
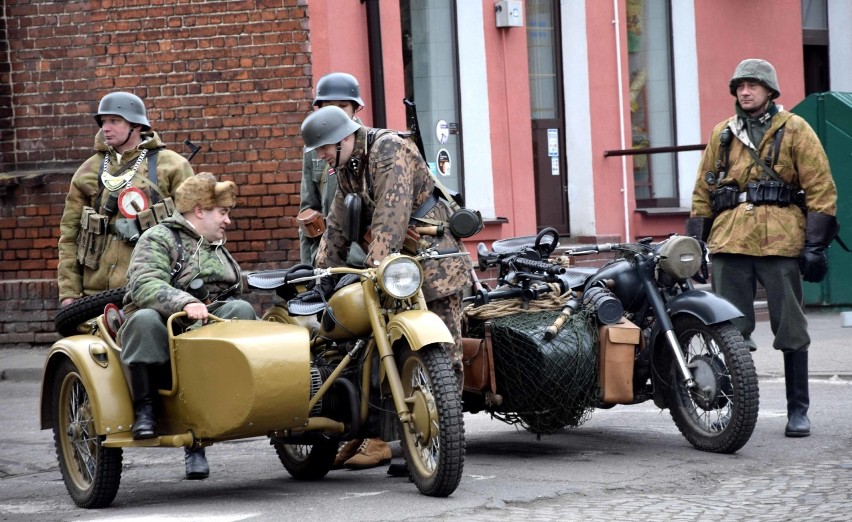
113	183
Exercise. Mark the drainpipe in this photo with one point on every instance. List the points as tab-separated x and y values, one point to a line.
377	69
616	24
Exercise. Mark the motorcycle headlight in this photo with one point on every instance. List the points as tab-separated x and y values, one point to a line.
400	276
681	256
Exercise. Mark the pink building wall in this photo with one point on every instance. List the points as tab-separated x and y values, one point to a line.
727	31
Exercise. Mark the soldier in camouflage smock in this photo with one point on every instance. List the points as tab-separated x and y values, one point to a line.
170	257
744	205
392	181
125	138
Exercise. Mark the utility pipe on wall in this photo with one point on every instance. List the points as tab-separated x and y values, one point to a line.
617	26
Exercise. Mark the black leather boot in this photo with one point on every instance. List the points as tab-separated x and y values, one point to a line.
796	378
145	426
196	464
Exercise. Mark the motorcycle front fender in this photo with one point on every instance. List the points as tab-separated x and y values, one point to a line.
419	327
708	307
101	372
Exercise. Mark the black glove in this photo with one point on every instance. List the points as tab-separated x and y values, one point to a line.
699	227
325	286
820	231
703	273
812	263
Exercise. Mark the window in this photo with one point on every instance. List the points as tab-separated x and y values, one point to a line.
431	80
652	101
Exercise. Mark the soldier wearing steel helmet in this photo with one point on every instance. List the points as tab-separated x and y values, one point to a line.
765	203
392	182
130	166
319	182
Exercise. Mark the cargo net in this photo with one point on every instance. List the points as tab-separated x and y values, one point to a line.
545	385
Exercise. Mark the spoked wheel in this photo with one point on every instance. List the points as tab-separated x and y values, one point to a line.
720	413
91	472
307	461
433	442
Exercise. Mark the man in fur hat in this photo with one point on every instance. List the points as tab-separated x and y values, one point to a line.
179	264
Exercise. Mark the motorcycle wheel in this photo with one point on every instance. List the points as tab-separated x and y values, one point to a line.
91	472
723	421
69	318
433	442
307	461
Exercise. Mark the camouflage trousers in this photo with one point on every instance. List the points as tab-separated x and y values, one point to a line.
449	310
144	339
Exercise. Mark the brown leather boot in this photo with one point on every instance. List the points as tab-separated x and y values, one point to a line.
346	452
371	453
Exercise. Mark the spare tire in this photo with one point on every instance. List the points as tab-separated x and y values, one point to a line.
69	318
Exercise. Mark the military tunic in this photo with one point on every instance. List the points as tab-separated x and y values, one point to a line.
393	184
76	280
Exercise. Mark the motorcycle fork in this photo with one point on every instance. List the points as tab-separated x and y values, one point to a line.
385	350
665	322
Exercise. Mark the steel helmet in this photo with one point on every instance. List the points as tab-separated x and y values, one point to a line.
124	104
327	125
759	70
338	86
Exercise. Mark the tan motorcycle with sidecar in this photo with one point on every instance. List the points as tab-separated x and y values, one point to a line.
323	368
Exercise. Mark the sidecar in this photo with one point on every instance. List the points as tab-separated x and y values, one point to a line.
229	380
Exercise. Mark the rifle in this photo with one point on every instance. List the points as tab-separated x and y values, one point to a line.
193	148
413	126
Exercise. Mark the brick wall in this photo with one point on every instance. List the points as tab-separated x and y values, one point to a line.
232	76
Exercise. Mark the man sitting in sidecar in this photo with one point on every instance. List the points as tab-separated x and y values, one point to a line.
180	264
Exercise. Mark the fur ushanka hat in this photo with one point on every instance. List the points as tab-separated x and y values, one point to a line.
203	189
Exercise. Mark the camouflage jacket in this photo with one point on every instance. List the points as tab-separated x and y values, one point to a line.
156	253
400	182
74	279
766	230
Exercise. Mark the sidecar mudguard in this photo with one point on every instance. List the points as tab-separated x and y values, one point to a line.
419	327
100	370
710	308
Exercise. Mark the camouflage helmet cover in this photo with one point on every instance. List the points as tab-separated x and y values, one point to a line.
755	69
325	126
124	104
338	86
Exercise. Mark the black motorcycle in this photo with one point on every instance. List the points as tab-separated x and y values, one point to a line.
633	330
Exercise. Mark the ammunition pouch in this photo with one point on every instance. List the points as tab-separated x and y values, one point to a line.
92	238
763	192
311	222
769	192
724	198
129	230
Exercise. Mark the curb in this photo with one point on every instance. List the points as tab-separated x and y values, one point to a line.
20	374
